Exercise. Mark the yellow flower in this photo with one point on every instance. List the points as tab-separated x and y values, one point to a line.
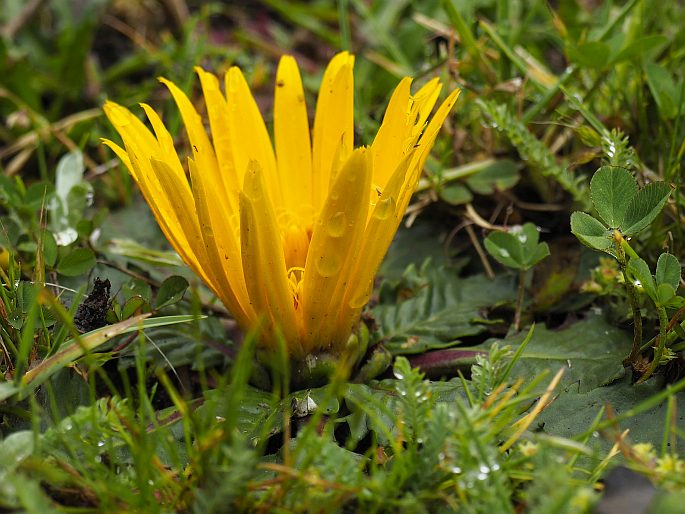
293	232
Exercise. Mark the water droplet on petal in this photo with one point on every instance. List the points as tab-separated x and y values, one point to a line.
337	225
361	296
329	265
384	208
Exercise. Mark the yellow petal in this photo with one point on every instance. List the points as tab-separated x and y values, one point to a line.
389	143
389	211
263	259
222	248
166	143
218	113
334	248
249	137
333	123
425	144
140	147
379	233
293	145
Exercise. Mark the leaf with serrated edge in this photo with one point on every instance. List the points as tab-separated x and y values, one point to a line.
611	190
645	207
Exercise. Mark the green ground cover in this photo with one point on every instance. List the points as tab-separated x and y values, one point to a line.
526	328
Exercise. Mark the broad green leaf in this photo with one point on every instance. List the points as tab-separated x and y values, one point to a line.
664	294
591	232
499	176
639	271
505	249
444	308
645	207
541	251
590	351
456	194
132	305
519	248
171	291
668	270
77	262
575	410
611	190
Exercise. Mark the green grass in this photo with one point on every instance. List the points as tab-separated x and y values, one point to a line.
183	418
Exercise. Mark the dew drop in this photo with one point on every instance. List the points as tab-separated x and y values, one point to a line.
384	208
398	375
329	265
101	444
503	252
361	296
337	225
455	469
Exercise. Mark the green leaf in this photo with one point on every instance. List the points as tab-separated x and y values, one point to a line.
611	190
639	270
668	270
14	449
575	410
505	249
133	250
77	262
498	176
663	88
171	291
590	351
664	294
591	232
444	308
456	194
593	54
132	305
645	207
519	248
75	349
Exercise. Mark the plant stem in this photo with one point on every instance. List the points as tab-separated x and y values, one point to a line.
519	299
658	353
630	290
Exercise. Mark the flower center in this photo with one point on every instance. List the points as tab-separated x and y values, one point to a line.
295	245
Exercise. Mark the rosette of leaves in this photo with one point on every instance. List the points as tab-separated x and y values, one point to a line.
620	205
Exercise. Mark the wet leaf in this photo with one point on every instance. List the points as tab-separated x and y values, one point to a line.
590	351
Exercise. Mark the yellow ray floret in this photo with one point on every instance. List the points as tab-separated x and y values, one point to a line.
289	234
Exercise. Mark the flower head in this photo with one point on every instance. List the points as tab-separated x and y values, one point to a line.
293	232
